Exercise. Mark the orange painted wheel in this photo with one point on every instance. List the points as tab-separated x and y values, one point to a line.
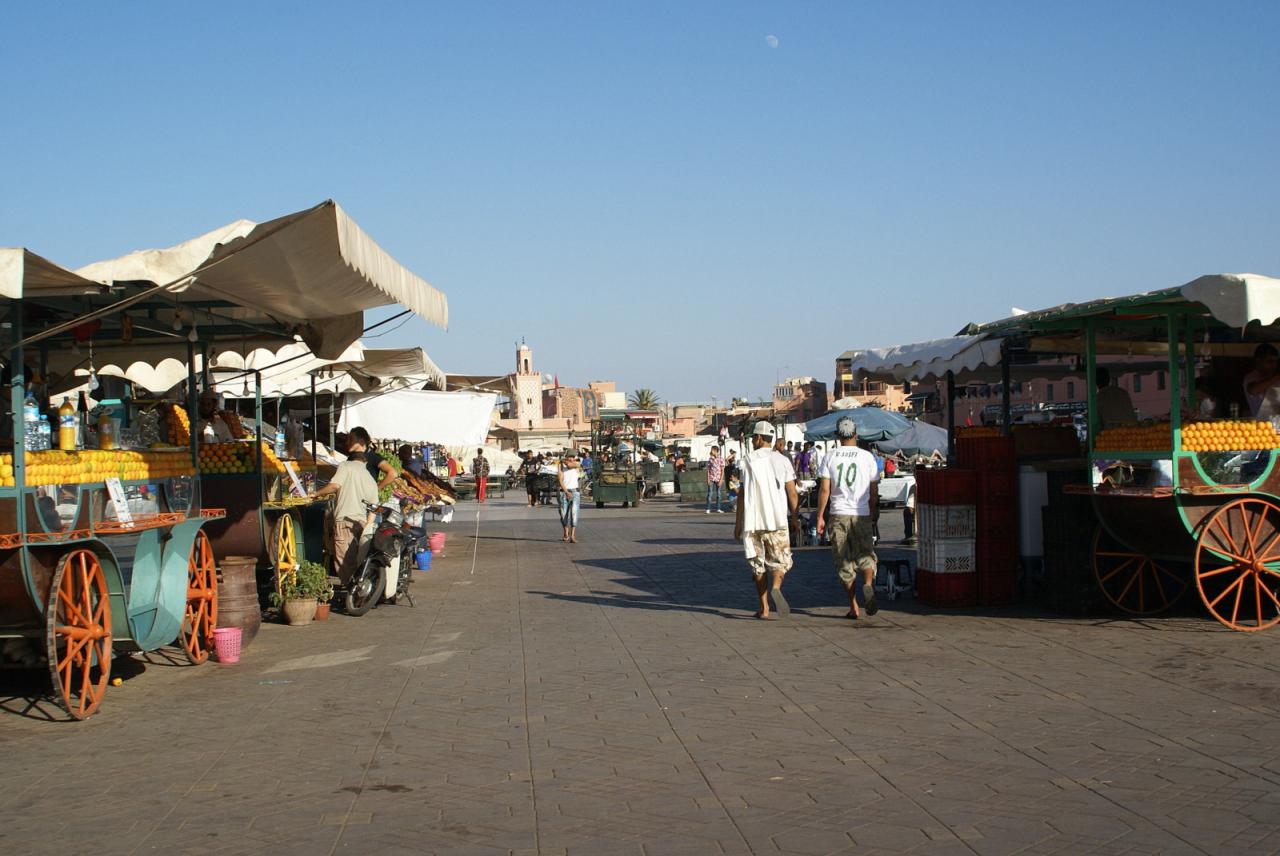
78	634
202	601
1238	564
1134	582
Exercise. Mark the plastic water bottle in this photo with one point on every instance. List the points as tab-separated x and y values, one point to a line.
280	451
30	422
45	434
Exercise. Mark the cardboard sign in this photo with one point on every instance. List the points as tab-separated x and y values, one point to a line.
297	488
118	501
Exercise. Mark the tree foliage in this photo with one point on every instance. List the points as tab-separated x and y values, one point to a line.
645	399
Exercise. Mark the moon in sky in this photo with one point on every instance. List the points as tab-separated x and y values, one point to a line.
771	41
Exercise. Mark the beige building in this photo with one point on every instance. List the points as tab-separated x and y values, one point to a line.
799	399
874	393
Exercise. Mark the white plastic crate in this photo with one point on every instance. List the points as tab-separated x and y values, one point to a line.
947	555
947	521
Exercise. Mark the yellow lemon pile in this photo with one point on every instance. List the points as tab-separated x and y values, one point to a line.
92	466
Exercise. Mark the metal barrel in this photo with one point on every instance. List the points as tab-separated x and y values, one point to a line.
238	596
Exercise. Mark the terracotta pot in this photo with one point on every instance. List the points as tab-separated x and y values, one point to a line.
299	612
322	611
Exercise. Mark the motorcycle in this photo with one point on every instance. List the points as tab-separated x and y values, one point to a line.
385	570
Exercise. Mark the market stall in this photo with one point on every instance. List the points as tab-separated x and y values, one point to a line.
101	541
105	540
315	272
1191	502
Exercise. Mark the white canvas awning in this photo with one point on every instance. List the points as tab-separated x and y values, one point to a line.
409	364
315	271
926	360
25	274
1237	298
359	369
420	416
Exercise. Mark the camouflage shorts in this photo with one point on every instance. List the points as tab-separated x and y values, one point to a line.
852	546
768	551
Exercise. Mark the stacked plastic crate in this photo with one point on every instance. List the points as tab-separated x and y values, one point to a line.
946	517
995	462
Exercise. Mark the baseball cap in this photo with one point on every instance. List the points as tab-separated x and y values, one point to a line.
763	429
846	427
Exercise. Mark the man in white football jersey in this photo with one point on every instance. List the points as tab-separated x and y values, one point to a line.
848	480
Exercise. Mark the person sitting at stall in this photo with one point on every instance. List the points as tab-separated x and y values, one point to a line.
1262	385
354	487
211	428
1114	404
358	440
1206	403
410	459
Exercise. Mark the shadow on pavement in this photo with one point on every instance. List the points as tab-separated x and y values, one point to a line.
28	693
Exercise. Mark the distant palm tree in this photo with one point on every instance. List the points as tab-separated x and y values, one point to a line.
644	399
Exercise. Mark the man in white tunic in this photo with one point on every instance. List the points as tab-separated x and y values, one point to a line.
766	511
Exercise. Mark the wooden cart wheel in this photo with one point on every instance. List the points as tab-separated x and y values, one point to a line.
284	548
1238	564
78	635
1134	582
202	601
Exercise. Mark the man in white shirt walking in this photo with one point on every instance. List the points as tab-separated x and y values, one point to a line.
767	504
848	481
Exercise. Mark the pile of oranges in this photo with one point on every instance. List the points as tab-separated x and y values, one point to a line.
179	425
237	458
1229	436
92	466
226	458
1138	438
270	463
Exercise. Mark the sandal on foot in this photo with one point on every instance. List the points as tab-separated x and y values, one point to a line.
851	614
869	596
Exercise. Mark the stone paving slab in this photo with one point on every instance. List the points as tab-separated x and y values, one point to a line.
616	696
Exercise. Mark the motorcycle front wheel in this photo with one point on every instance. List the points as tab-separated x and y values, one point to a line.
365	588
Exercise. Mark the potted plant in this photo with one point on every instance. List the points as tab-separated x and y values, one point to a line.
324	593
299	593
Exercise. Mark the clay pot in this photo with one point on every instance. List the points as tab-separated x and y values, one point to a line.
322	611
299	612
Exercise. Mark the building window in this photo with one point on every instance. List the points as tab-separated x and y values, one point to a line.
1071	391
1160	380
1048	394
1137	383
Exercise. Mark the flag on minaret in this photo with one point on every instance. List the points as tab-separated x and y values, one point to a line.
557	381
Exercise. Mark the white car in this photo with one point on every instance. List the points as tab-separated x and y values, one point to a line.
894	489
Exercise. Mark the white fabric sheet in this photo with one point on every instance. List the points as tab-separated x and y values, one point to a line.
421	416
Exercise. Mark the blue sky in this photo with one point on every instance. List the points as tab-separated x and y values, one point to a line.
651	192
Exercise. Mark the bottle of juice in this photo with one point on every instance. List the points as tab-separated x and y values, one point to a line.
67	426
106	431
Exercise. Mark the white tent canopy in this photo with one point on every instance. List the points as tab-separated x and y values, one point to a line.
1237	298
25	274
316	271
421	416
926	360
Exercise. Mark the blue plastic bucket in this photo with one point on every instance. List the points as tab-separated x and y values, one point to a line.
423	559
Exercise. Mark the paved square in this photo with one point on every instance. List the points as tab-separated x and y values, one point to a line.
616	696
